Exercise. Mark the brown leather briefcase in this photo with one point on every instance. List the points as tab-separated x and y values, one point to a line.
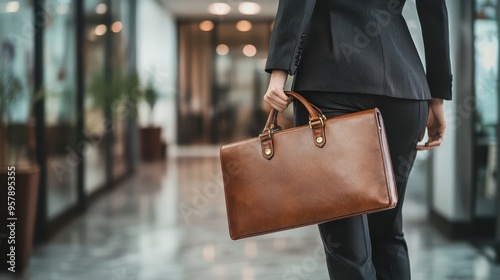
327	170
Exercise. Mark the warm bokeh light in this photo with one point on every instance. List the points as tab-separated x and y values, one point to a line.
101	9
209	253
100	30
249	50
249	8
116	27
219	9
279	243
250	249
244	25
206	25
222	49
247	273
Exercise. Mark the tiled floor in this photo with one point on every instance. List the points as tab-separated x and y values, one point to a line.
168	222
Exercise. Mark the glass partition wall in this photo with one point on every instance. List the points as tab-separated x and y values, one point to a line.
486	104
106	29
16	82
487	128
94	102
58	63
60	106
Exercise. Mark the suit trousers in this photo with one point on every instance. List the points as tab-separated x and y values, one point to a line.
372	246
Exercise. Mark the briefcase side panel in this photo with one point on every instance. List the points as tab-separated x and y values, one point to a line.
386	156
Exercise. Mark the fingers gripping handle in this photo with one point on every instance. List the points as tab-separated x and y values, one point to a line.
316	123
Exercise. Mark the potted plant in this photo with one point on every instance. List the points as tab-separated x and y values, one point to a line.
10	90
19	176
151	145
119	97
132	94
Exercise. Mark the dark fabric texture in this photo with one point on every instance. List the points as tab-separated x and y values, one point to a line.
288	35
362	46
372	246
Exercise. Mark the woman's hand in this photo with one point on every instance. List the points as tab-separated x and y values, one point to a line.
275	94
436	125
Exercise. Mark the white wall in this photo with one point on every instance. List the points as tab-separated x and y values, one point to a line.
157	59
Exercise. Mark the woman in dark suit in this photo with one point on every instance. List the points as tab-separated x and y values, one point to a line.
349	56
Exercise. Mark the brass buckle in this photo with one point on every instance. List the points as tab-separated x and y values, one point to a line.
268	134
321	119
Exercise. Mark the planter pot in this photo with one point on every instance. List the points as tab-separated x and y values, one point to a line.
26	196
164	150
150	142
132	144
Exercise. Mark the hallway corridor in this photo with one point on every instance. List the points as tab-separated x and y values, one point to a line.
148	229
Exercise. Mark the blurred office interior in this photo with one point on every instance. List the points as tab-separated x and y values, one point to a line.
113	111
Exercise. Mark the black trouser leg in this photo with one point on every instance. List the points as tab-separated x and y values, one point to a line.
372	246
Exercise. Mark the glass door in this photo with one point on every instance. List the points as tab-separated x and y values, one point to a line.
221	80
60	107
486	101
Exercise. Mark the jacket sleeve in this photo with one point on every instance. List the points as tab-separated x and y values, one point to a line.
288	35
433	17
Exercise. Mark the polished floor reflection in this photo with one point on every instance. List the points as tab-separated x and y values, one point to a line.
168	222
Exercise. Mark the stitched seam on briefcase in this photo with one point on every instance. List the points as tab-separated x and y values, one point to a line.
369	211
380	146
225	197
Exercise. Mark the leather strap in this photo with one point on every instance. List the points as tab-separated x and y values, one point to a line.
316	123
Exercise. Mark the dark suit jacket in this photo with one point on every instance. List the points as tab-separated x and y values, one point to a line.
361	46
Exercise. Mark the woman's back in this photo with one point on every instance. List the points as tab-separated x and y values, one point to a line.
361	46
365	46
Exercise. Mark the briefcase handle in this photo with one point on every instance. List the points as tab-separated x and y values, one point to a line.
316	123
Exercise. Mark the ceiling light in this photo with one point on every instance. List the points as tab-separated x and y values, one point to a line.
9	7
101	9
249	8
219	9
100	30
206	25
249	50
222	49
244	25
116	27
